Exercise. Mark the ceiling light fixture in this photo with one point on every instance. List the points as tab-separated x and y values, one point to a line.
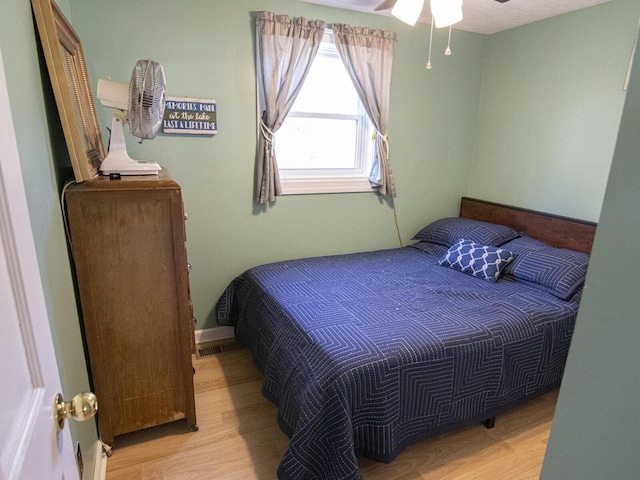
408	10
446	12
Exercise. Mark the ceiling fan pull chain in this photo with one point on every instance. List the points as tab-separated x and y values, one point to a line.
448	50
430	40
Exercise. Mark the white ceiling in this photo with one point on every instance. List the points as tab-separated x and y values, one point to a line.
483	16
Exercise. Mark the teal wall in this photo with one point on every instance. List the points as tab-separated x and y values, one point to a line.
596	427
550	109
442	138
528	117
207	50
33	127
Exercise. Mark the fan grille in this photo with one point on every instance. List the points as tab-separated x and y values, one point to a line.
146	99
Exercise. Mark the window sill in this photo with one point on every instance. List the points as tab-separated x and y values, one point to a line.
306	186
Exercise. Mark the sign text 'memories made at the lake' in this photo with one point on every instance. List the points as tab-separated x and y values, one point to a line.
189	116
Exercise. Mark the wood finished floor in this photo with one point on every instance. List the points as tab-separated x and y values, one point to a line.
239	438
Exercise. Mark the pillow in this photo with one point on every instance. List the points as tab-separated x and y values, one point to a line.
481	261
448	231
555	270
432	248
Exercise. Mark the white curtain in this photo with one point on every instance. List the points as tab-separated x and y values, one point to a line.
285	49
368	56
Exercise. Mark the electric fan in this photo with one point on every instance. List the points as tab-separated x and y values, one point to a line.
141	104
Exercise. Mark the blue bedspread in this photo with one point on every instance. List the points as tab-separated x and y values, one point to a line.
364	354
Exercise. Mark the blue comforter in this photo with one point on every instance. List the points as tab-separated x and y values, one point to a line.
364	354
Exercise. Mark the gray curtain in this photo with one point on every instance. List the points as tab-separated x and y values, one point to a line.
368	56
285	48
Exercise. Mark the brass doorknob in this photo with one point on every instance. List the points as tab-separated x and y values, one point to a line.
81	407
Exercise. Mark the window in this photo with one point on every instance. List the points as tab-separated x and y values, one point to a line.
325	144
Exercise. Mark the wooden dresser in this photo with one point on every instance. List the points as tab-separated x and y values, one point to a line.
128	242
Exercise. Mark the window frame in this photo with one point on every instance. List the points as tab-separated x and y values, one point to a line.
334	180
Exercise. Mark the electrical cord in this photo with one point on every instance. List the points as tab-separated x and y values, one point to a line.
63	205
395	218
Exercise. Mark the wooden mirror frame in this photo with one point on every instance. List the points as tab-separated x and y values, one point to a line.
68	73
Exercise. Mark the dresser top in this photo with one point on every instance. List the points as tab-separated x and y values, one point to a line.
162	180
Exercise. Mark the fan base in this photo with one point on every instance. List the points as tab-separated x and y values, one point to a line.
131	167
118	161
121	171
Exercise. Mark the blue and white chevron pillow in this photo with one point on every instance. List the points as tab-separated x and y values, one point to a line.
481	261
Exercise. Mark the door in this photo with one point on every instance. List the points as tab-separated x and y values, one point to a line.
31	446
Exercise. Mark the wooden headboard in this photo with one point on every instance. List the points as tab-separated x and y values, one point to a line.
554	230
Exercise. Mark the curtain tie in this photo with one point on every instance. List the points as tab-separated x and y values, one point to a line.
385	142
266	133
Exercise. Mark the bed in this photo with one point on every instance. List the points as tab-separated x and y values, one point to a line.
367	353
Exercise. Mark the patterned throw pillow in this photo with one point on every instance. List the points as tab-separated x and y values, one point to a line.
481	261
448	231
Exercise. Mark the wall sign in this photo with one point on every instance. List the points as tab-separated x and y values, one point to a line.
190	116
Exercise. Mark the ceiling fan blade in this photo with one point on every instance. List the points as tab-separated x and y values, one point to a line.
386	5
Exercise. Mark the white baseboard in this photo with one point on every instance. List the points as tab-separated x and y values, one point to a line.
100	463
213	334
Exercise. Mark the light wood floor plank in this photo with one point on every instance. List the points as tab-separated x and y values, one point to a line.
239	439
